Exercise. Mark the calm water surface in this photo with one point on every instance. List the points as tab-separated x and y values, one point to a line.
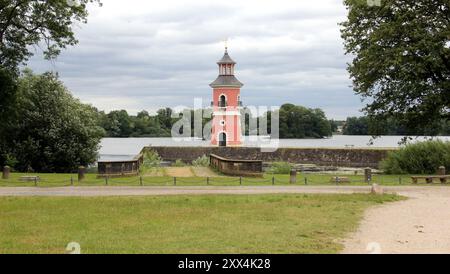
127	148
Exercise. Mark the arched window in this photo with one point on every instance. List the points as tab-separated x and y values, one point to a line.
223	101
223	139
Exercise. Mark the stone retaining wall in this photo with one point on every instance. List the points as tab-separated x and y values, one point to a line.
357	158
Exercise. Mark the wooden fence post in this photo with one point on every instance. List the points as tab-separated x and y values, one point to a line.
293	179
367	175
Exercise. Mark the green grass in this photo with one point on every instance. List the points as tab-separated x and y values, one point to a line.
55	180
182	224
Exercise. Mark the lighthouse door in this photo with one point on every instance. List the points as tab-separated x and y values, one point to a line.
222	140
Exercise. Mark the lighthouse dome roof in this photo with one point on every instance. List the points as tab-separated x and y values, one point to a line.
226	59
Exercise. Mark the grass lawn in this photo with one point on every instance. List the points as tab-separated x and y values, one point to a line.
182	224
54	180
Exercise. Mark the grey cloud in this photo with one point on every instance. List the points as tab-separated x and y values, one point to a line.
165	56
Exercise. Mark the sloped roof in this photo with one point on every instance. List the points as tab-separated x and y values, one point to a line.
226	81
226	59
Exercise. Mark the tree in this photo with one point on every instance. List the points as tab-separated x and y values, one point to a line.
301	122
401	63
24	23
368	126
52	131
165	119
8	89
356	126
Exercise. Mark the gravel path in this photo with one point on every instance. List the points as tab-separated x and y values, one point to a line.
151	191
420	224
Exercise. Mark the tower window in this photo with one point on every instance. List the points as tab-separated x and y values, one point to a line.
223	101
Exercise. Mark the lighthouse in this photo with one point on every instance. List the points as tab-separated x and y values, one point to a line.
226	124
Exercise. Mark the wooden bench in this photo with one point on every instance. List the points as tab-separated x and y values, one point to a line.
430	179
29	179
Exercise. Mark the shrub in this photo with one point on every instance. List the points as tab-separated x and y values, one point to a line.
201	161
10	161
280	168
151	160
418	158
179	163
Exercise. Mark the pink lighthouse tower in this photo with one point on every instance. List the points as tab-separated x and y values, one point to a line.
226	124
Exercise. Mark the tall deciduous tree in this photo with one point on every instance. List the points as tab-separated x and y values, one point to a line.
401	62
8	89
24	23
52	131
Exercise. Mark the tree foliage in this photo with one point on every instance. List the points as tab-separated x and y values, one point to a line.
356	126
295	122
301	122
418	158
367	125
25	23
8	88
49	130
401	61
121	124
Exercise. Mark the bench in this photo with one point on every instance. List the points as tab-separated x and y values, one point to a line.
29	179
430	179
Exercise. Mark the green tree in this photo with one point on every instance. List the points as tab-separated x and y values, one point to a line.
52	131
369	126
301	122
8	90
334	125
356	126
401	63
165	118
24	23
117	124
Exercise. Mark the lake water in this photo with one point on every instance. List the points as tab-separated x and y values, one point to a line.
127	148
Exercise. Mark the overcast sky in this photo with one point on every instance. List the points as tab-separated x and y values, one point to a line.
147	54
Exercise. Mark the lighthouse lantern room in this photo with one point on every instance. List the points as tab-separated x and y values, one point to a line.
226	124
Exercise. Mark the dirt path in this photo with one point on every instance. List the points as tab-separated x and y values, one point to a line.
204	172
183	172
420	224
